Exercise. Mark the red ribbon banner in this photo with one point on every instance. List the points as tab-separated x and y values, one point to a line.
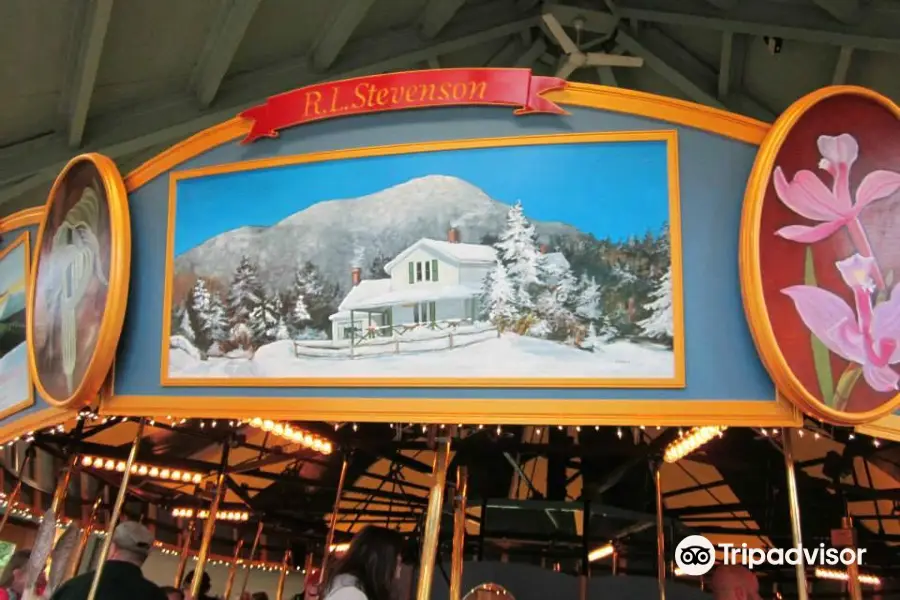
400	91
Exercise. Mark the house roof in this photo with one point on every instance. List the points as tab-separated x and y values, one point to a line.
365	289
453	252
420	292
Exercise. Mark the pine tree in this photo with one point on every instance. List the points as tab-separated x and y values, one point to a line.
281	330
218	319
497	297
244	298
264	322
518	250
184	327
660	324
201	309
319	300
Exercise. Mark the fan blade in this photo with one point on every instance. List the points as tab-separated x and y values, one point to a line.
600	59
556	29
568	67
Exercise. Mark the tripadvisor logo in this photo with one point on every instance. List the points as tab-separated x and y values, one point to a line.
695	555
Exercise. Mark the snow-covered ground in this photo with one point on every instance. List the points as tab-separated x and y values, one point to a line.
507	356
14	380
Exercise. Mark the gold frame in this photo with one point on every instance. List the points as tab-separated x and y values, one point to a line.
751	273
669	137
117	296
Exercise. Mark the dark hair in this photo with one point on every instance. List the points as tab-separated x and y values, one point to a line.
372	558
260	596
205	582
19	560
168	589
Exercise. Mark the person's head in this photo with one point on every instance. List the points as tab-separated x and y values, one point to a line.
14	574
260	596
374	559
734	582
205	583
172	593
131	543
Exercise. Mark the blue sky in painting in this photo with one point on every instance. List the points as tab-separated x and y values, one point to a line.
612	189
12	268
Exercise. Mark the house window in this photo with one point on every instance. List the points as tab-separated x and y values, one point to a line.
423	270
425	312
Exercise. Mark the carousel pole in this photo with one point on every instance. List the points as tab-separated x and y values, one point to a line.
185	551
585	551
853	585
86	530
259	530
433	519
232	570
329	540
660	532
307	569
794	507
209	528
279	592
13	497
117	510
459	533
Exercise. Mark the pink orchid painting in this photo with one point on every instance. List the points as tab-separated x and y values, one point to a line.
867	334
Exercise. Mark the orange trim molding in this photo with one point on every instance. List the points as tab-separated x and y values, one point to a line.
117	294
29	401
23	218
640	104
887	428
670	138
486	411
41	419
750	270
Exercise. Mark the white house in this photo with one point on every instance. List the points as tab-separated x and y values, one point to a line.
430	281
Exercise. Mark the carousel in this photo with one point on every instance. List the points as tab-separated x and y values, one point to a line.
548	332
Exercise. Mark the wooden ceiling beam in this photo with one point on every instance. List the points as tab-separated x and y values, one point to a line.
223	39
28	165
878	31
86	48
343	21
842	66
436	15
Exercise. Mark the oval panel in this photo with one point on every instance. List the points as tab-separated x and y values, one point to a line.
820	254
79	283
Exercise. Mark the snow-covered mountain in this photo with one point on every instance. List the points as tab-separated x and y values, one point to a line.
337	235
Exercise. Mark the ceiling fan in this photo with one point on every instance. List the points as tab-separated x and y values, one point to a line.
576	58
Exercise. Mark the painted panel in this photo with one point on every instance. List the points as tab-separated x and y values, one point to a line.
16	390
724	380
584	285
821	255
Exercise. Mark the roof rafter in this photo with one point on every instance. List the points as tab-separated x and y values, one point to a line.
28	165
845	11
530	56
879	31
86	48
222	42
507	55
842	66
343	22
731	63
437	14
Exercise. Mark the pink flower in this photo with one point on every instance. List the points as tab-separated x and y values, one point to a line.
869	337
809	197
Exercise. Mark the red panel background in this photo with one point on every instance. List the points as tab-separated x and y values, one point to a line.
782	261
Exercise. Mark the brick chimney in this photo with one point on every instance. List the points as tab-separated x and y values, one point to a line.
544	248
453	235
355	275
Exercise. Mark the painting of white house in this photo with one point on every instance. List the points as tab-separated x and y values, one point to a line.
545	261
15	382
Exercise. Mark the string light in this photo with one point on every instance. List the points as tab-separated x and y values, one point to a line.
338	548
601	552
695	438
141	469
256	565
293	434
222	515
843	576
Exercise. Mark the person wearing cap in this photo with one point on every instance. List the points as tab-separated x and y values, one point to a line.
122	576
